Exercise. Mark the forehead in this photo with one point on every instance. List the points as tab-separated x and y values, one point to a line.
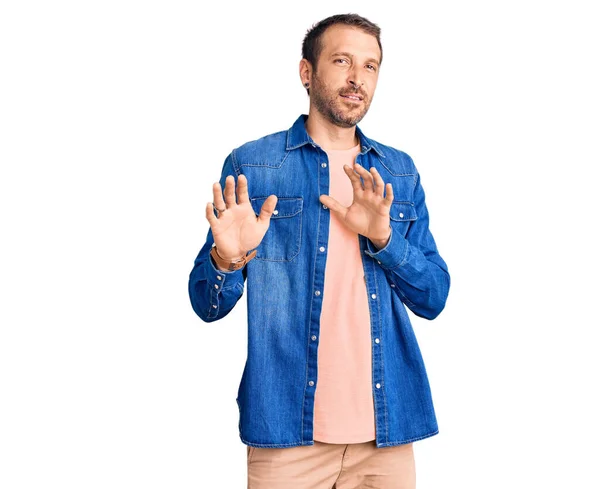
349	39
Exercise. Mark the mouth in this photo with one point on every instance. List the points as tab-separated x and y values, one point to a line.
352	97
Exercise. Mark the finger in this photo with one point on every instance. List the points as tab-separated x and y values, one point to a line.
379	185
367	177
267	208
242	190
229	192
354	179
334	205
218	196
389	193
210	215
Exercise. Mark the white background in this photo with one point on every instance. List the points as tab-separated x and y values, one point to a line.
115	119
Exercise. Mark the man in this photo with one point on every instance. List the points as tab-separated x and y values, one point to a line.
330	232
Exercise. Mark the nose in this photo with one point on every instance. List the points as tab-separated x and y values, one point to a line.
356	85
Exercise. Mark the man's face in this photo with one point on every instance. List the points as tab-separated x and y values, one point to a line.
349	55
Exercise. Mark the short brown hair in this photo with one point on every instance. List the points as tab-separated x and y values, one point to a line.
312	45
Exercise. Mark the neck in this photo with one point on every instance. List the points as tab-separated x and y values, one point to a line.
328	135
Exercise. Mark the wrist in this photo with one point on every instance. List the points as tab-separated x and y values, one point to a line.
382	243
230	264
225	258
221	266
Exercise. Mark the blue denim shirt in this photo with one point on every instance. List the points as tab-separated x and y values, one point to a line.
284	285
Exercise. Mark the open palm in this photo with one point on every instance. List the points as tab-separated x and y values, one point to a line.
369	213
237	229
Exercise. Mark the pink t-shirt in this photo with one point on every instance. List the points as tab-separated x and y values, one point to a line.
344	411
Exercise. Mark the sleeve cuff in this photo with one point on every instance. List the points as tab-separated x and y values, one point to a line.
219	280
393	254
222	278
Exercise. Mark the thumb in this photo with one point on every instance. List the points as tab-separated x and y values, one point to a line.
334	205
267	209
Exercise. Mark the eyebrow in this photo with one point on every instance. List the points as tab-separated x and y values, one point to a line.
344	53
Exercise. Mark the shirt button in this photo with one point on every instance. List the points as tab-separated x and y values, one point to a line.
378	385
322	248
401	214
378	262
324	206
214	306
376	340
219	277
317	292
216	286
275	212
323	165
313	337
311	383
392	285
373	296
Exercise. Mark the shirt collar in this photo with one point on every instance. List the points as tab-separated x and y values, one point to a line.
297	137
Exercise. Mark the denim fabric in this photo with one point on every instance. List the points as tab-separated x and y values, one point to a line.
284	285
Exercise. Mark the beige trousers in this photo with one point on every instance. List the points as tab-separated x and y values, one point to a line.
332	466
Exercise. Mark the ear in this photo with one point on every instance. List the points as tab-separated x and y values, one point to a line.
305	70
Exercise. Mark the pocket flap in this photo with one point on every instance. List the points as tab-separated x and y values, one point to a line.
403	211
285	207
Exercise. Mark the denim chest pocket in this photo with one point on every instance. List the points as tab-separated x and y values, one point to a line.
401	215
282	240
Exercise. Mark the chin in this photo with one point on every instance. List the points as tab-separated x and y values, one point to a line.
352	121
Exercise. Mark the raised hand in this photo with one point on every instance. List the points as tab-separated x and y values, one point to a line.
369	213
237	230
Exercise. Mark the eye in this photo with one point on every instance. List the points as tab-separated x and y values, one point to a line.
372	68
340	59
